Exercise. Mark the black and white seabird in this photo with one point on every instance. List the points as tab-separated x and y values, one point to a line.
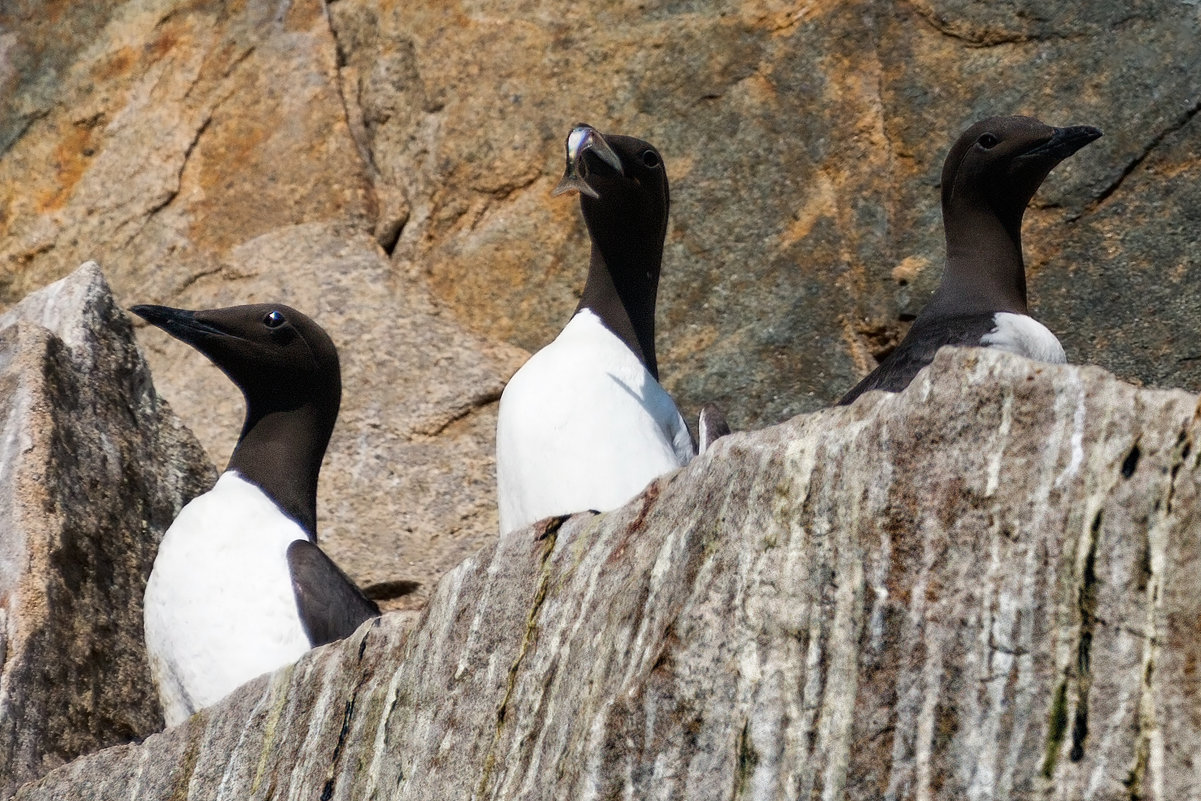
989	177
584	424
239	587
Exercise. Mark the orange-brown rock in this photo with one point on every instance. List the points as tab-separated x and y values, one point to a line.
386	167
804	142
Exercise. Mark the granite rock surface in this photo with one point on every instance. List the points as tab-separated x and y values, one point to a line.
94	466
983	587
386	166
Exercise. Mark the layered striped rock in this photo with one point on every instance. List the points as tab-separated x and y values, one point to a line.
375	162
984	587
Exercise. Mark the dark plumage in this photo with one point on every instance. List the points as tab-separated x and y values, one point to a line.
239	586
584	424
989	177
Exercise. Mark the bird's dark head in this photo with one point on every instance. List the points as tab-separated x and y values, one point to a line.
621	180
277	356
999	163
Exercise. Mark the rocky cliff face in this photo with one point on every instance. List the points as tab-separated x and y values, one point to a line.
981	588
94	466
386	166
985	587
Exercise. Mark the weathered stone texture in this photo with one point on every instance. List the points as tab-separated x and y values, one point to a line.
94	466
984	587
386	166
181	142
407	488
204	153
804	143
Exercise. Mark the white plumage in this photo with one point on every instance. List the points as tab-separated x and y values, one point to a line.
1023	335
220	596
583	425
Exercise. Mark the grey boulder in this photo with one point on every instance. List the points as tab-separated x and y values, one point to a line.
94	466
984	587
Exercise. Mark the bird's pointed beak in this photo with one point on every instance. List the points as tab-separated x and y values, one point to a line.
179	323
1064	142
582	139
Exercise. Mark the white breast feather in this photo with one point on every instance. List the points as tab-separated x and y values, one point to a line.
1025	336
220	608
583	425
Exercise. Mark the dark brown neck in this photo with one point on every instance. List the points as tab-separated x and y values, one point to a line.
623	280
984	270
280	451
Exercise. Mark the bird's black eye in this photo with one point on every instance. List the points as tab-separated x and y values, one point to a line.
987	141
651	159
273	319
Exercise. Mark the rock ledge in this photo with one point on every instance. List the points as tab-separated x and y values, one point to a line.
984	587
